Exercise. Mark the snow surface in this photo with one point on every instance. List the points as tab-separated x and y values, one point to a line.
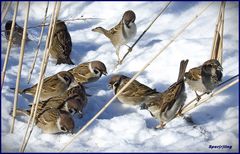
123	128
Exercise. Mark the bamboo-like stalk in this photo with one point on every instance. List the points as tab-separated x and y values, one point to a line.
9	45
222	28
5	11
42	72
3	6
39	42
130	48
218	36
193	105
133	78
20	66
23	146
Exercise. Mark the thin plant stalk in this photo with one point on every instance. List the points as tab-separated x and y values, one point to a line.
20	66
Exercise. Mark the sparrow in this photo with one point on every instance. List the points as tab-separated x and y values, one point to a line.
134	94
52	86
17	33
62	44
73	101
205	77
122	33
165	106
52	120
88	72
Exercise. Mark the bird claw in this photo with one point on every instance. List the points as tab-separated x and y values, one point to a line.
160	126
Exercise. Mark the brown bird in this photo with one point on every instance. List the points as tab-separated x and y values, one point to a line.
62	44
88	72
17	33
204	78
168	104
134	94
73	101
52	86
52	120
122	33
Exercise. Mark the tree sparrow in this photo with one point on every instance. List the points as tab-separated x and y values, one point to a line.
17	33
122	33
73	101
204	78
62	44
134	94
52	86
88	72
52	120
168	104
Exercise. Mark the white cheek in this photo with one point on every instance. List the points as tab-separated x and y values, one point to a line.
58	124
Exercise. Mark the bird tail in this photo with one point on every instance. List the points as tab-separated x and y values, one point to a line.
21	112
182	69
20	91
65	61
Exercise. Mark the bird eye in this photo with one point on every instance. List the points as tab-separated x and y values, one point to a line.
96	71
72	111
66	78
63	129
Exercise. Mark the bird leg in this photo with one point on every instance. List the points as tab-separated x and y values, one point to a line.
161	125
179	113
129	48
117	53
198	96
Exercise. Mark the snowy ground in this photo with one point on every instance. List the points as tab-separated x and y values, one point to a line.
124	128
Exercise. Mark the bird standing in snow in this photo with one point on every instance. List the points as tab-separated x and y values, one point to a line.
52	120
73	101
88	72
62	44
122	33
54	85
204	78
134	94
168	104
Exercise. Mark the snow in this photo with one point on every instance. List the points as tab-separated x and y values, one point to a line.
122	128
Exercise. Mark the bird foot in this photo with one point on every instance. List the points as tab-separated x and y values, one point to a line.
160	126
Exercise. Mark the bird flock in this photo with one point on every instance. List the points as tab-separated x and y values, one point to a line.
63	95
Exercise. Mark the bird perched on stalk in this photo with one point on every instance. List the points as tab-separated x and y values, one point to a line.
52	120
88	71
205	77
54	85
17	33
122	33
168	104
62	44
134	94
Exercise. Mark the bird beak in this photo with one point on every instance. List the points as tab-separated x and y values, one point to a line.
109	86
104	73
220	68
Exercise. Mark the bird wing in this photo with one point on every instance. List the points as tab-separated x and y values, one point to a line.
194	73
48	116
81	72
62	43
116	28
170	96
139	89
